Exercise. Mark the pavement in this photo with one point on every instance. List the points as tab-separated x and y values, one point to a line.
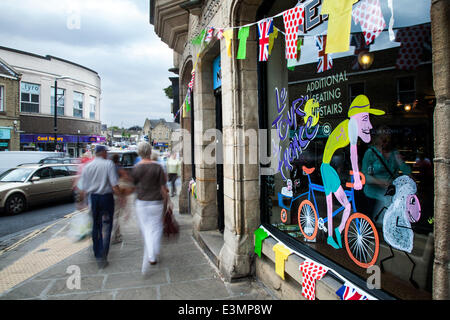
47	264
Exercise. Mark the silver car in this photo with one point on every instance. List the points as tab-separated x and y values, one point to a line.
31	184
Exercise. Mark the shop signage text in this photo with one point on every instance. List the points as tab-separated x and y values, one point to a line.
327	93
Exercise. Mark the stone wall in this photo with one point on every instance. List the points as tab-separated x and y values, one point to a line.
440	31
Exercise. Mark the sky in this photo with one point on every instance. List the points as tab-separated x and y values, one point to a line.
112	37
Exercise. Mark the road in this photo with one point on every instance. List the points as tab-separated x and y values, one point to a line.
34	217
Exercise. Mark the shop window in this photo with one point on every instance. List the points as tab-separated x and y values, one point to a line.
330	120
354	90
78	104
92	107
1	98
60	101
29	97
406	91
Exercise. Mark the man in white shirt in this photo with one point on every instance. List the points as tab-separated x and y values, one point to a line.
99	180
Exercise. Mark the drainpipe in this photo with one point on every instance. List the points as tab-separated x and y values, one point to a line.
440	25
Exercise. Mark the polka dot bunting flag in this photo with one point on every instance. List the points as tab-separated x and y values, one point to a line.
311	272
292	18
369	15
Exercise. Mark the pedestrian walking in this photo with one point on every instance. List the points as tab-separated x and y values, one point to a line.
119	202
151	194
99	180
173	171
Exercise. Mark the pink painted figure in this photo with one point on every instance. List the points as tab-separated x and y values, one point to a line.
347	132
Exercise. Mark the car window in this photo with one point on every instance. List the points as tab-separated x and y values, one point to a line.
127	160
47	161
60	172
16	175
72	170
44	173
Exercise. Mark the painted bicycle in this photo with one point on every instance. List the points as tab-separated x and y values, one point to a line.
360	234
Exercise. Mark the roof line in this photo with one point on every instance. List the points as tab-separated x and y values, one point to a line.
47	57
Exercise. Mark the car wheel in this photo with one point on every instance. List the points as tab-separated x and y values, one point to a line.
15	204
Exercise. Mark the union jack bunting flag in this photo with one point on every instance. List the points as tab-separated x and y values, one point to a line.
325	62
265	28
360	45
191	83
347	293
220	33
209	34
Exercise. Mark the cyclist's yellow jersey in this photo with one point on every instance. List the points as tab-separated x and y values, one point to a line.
338	139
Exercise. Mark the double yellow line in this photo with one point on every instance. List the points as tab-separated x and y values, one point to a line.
35	233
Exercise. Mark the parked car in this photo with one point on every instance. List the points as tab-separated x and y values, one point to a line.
127	159
51	160
11	159
31	184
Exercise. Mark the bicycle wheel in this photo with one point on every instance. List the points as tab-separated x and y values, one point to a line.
361	240
283	215
307	219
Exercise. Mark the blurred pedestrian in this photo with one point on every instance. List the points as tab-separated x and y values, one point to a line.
81	203
150	181
119	202
173	171
99	180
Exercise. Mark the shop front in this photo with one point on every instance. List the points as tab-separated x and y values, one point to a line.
352	143
335	153
5	137
73	145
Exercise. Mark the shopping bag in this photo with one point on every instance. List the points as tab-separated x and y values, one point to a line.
80	226
171	226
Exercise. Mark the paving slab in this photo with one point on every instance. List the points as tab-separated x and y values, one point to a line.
183	272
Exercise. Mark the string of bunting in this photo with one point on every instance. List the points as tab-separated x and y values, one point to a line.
336	39
347	292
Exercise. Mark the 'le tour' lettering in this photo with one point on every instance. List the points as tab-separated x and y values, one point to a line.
283	124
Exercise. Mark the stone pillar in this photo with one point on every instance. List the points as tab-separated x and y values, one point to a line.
241	175
440	29
206	213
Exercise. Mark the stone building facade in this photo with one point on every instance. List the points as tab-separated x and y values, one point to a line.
9	108
78	106
241	195
159	133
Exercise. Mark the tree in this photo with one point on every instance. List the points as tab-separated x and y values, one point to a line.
169	92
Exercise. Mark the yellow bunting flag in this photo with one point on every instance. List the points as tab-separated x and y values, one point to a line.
339	24
228	35
272	37
281	254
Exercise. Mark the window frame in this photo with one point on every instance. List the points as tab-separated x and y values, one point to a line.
30	100
78	108
92	114
398	79
2	94
52	101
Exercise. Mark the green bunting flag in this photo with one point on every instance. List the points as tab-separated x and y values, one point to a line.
188	105
243	35
260	235
199	39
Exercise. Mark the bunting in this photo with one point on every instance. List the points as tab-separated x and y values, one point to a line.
369	15
228	35
292	18
265	29
209	35
360	45
339	23
325	62
242	36
281	254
